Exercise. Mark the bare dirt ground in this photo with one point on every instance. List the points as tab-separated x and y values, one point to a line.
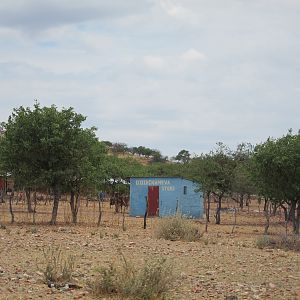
221	264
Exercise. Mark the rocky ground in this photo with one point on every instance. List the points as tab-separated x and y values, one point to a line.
221	264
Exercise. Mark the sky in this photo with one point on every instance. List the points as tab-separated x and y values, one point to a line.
165	74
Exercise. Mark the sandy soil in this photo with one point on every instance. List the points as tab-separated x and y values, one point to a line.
221	264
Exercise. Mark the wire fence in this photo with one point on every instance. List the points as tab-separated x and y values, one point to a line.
88	213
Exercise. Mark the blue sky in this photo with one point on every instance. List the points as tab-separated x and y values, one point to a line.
165	74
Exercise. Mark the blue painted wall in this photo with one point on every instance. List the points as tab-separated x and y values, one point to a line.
171	195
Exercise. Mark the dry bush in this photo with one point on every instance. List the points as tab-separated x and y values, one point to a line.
279	242
151	281
263	241
57	266
177	228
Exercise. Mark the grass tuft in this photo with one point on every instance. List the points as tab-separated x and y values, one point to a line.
57	266
279	242
177	228
152	281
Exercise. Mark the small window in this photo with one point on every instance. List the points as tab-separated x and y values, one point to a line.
185	190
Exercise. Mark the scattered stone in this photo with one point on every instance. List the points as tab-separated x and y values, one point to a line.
272	285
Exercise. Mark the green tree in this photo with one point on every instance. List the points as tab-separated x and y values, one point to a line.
276	169
242	183
165	169
156	156
119	170
39	148
214	172
183	156
119	148
87	169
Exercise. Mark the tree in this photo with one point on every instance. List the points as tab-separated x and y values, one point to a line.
276	169
183	156
118	171
39	148
87	171
165	169
242	183
214	173
156	156
119	148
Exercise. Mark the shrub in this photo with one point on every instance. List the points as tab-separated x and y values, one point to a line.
152	281
57	267
263	241
279	242
177	228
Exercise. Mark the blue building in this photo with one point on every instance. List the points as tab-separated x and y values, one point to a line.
166	196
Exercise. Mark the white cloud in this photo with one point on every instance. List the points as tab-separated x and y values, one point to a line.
166	74
193	55
179	12
155	62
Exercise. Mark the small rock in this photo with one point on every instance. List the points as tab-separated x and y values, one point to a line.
231	297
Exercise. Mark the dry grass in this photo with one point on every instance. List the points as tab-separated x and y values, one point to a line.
151	281
279	242
57	267
177	228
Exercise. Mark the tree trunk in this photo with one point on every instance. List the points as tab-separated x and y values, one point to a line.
11	209
292	211
267	216
248	200
34	208
123	219
233	227
207	210
285	212
28	198
208	207
275	209
241	201
218	212
55	205
266	205
100	213
297	219
74	203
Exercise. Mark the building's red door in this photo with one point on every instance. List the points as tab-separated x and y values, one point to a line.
153	200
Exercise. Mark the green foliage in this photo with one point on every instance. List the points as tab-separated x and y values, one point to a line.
277	167
242	181
276	172
183	156
165	169
47	148
119	148
41	146
213	171
177	228
151	281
